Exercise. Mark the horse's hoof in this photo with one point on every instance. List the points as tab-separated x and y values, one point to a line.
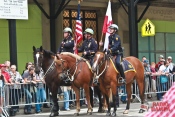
141	111
113	114
76	114
108	114
89	113
100	110
53	114
104	111
125	112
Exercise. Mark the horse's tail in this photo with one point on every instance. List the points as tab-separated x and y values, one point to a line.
110	95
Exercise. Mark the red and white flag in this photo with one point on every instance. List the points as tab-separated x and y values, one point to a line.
78	30
106	24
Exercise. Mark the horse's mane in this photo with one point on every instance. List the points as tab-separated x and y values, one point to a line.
49	52
73	55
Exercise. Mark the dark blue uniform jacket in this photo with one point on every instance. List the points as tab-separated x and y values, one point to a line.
115	44
90	47
66	45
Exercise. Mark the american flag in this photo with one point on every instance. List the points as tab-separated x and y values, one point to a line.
78	29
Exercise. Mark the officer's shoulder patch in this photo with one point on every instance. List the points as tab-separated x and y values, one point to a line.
117	38
72	38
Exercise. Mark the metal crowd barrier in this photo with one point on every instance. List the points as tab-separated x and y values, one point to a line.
26	94
22	94
151	87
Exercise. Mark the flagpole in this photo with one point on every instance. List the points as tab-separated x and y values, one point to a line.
101	43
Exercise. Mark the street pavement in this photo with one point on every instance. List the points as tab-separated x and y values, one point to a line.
133	112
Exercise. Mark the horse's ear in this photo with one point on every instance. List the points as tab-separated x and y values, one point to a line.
57	55
41	48
34	48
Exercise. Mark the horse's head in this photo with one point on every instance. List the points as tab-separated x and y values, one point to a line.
38	58
99	58
61	66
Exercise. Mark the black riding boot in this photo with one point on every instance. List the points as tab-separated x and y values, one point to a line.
120	69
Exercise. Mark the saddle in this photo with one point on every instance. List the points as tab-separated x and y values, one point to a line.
127	66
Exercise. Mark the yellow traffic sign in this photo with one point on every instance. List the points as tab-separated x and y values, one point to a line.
148	28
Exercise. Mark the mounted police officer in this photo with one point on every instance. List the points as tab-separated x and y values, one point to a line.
68	42
115	49
89	46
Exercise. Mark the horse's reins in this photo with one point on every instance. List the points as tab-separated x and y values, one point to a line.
51	67
97	76
71	68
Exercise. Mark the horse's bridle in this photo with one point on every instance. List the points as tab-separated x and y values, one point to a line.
68	71
97	75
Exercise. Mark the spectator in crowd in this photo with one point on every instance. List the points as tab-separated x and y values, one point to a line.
15	87
163	70
4	73
7	77
28	77
2	82
27	66
66	98
159	63
147	73
41	94
171	64
143	58
153	77
7	63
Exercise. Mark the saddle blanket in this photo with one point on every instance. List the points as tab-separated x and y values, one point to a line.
127	66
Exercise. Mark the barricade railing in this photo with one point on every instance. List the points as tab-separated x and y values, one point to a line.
27	94
152	85
2	98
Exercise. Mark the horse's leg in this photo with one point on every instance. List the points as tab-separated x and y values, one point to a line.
105	106
141	86
91	97
129	92
114	96
86	88
98	92
109	106
55	108
77	93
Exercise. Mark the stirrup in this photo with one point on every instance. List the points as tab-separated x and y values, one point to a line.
121	80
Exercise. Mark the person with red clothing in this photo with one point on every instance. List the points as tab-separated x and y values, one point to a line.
159	63
7	78
4	72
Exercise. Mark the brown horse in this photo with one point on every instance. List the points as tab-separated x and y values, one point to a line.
108	79
45	60
80	71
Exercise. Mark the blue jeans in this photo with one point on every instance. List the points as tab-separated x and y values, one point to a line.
28	98
123	88
40	97
66	100
162	87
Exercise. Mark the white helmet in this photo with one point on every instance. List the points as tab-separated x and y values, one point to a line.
67	29
114	26
89	30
